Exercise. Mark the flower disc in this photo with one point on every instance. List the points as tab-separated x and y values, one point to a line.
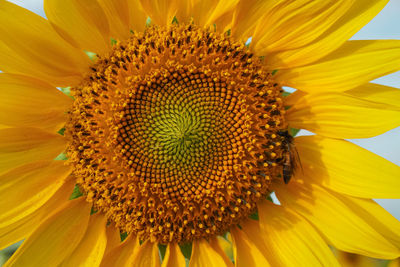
177	133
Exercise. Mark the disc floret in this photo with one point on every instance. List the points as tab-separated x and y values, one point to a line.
174	134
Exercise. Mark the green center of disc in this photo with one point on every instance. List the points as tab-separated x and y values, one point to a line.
178	134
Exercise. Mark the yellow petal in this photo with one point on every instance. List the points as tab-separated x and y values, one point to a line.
294	98
347	168
293	24
117	13
28	102
215	243
353	64
203	254
252	229
246	15
210	12
339	115
162	12
113	238
21	229
376	216
245	251
23	145
185	12
36	49
351	260
28	187
90	250
55	238
123	16
291	239
344	228
173	256
146	255
223	22
137	16
359	14
81	23
377	93
256	235
121	255
226	245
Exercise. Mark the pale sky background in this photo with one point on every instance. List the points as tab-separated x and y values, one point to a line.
385	26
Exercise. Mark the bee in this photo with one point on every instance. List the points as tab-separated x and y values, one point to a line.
292	159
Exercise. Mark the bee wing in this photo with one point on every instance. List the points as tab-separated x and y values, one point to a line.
295	158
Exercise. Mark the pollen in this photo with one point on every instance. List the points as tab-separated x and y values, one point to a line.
176	134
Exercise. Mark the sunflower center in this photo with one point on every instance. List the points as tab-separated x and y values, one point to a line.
177	133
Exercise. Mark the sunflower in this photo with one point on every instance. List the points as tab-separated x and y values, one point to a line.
148	133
